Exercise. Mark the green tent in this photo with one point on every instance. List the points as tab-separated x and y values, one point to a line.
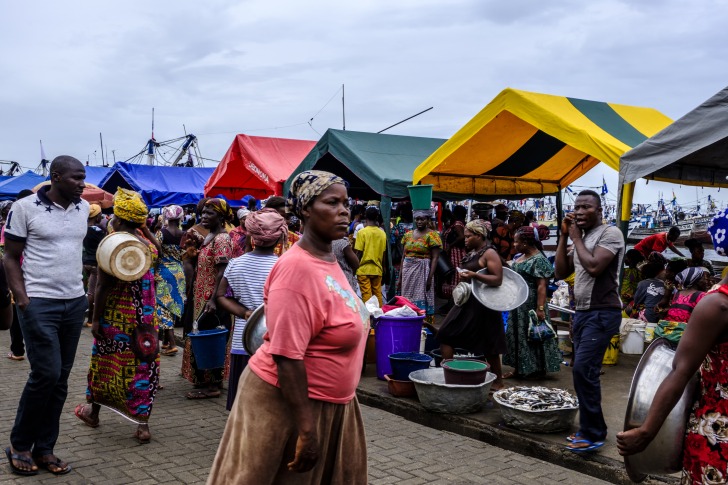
375	165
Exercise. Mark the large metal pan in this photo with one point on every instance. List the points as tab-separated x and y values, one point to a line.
664	454
254	330
511	294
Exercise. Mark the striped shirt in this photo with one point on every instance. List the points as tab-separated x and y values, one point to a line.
246	276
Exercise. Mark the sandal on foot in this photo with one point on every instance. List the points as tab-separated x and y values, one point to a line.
202	395
573	436
25	459
56	463
142	440
591	445
170	352
511	375
12	356
86	420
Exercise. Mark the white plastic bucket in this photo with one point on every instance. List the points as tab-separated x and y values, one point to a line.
634	342
650	332
565	345
423	340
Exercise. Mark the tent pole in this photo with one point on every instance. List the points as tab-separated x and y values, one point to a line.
624	208
559	214
385	206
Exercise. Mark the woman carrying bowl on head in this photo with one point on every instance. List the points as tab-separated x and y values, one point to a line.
529	358
421	248
296	418
471	325
212	259
124	371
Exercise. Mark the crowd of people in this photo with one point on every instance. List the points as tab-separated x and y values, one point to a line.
314	261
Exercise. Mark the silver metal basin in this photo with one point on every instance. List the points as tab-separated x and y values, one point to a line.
664	454
254	330
438	397
512	293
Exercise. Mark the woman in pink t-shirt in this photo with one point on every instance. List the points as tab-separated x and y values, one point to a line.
296	418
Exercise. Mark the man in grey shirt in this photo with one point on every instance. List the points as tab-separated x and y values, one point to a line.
596	259
47	231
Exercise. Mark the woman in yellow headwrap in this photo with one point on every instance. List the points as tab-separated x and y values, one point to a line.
212	259
124	371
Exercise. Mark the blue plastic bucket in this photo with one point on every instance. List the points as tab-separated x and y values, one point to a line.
396	334
209	347
403	363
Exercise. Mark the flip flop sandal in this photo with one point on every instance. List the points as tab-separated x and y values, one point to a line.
53	463
142	441
25	459
581	449
12	356
86	420
574	436
170	352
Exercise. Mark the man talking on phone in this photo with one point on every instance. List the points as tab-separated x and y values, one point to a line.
596	259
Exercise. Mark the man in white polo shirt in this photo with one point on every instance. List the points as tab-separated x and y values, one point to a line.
47	231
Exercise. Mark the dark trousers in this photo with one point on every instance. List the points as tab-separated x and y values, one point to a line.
51	329
591	332
17	347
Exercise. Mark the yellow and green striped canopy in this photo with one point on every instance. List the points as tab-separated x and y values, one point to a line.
529	144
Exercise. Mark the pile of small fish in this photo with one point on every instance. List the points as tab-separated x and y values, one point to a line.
537	398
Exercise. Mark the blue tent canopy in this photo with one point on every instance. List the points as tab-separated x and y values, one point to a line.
93	174
10	188
158	186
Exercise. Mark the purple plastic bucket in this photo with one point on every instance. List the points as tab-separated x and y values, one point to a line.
396	334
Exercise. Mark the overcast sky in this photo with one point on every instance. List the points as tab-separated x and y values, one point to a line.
72	69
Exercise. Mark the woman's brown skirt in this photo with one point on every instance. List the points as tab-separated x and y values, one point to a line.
260	440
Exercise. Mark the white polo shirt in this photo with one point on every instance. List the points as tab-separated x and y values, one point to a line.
53	236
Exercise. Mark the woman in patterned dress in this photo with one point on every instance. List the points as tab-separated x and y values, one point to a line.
124	371
454	239
421	249
212	259
703	348
530	359
169	278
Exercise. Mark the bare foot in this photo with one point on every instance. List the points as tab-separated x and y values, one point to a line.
142	434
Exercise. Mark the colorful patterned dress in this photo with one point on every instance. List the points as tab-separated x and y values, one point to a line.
124	371
525	356
169	278
238	236
455	254
416	269
219	251
705	455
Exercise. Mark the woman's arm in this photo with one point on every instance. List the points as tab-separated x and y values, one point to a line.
492	261
434	256
152	239
104	283
541	299
211	306
707	322
294	387
230	305
351	258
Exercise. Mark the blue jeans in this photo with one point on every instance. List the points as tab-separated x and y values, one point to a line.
591	332
51	329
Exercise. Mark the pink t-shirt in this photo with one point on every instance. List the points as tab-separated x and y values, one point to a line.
313	315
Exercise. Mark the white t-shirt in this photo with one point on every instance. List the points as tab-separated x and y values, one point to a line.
53	236
246	276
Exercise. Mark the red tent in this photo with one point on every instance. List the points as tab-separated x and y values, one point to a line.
257	166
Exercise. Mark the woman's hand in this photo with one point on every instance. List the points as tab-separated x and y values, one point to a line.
466	275
541	314
210	306
632	441
96	330
307	453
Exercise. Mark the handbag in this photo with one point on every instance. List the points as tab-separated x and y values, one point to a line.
539	330
461	293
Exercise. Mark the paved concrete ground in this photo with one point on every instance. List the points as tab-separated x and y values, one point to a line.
186	434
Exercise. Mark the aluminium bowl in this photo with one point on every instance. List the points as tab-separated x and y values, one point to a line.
512	293
255	329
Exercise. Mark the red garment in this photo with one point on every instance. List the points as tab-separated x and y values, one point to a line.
314	315
682	306
655	243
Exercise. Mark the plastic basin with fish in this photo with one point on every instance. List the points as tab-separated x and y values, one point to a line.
403	363
438	397
534	420
465	372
